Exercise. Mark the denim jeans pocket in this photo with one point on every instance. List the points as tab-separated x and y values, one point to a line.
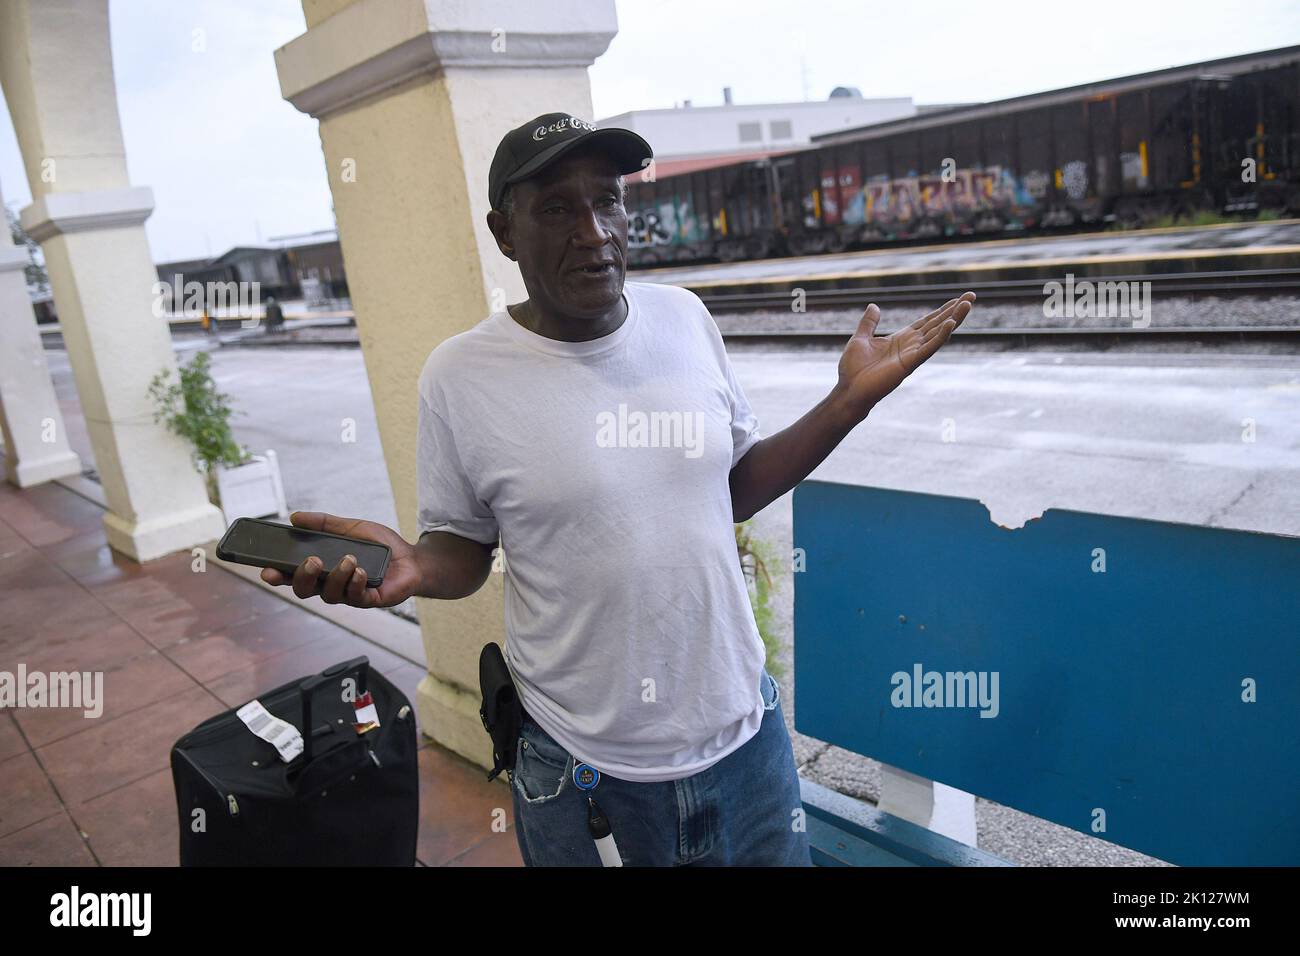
770	690
541	765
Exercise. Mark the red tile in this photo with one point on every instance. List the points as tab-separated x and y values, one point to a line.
117	752
67	620
39	600
501	849
126	688
116	644
241	686
167	604
154	629
87	558
94	643
11	542
27	796
458	806
234	647
49	513
134	825
11	741
54	841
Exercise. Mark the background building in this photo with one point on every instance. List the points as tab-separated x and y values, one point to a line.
688	137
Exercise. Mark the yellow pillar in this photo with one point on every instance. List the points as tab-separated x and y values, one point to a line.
412	98
36	443
57	72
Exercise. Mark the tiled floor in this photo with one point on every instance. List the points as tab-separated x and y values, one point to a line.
176	646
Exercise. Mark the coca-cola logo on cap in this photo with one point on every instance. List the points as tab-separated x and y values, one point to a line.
569	122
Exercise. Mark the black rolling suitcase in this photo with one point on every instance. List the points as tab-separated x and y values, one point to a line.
347	799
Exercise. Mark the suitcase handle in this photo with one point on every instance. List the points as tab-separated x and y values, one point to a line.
308	688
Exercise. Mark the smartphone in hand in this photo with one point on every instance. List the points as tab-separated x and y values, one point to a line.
269	544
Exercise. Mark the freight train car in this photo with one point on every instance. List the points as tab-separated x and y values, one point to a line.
1220	136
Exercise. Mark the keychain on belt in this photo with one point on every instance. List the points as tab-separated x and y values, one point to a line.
585	778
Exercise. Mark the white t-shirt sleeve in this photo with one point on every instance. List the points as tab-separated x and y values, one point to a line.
444	494
744	423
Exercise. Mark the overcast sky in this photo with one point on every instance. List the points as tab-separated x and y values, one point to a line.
230	162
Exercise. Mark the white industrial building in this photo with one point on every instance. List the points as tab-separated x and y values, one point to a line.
690	137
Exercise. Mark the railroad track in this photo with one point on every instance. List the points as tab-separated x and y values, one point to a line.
1255	336
740	298
1063	338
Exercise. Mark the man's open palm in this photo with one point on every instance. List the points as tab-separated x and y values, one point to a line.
873	366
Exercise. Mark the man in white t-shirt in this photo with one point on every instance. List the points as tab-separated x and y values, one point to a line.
598	432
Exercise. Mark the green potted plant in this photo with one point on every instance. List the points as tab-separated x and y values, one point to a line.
194	409
757	561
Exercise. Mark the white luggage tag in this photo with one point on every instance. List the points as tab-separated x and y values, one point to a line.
281	734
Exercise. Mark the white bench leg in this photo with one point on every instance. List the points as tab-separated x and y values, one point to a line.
926	803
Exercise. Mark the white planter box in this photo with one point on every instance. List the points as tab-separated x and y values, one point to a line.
252	490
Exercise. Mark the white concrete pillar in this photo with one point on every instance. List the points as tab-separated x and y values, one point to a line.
57	72
413	97
935	806
36	443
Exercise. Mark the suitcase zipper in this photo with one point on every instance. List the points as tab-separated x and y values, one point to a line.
232	805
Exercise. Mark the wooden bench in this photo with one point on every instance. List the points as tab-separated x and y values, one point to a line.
1148	674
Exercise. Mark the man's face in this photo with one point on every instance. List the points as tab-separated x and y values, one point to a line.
568	219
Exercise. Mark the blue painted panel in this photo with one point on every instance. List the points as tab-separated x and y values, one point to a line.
829	845
1118	691
843	831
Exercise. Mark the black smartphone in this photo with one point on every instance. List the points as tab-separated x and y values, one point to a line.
269	544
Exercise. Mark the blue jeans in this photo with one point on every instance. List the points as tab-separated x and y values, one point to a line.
745	810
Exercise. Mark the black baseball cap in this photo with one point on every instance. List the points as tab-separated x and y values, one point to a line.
528	149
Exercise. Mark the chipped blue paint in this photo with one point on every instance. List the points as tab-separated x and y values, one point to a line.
1118	692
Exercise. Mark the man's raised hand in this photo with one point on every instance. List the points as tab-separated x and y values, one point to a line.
873	366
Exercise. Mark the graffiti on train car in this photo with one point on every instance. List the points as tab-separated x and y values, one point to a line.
645	229
668	222
1219	138
963	195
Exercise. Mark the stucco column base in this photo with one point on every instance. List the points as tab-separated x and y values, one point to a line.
29	471
449	716
173	531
